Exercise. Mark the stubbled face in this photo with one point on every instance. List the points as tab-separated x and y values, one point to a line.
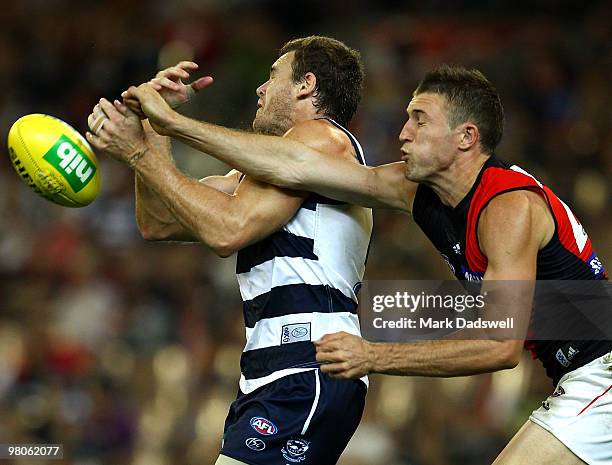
276	99
428	143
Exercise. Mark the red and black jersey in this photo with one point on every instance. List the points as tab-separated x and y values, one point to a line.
569	254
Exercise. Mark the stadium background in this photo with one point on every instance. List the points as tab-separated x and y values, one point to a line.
127	352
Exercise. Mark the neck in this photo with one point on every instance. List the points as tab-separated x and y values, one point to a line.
305	111
453	183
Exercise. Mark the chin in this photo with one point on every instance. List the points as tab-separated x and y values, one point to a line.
412	175
262	129
408	172
259	126
269	127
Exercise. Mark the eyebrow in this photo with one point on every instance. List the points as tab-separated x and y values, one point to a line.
416	111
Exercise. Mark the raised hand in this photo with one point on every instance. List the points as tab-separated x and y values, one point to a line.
169	83
116	132
152	106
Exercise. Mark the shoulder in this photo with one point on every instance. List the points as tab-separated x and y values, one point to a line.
508	207
501	176
323	136
514	205
520	216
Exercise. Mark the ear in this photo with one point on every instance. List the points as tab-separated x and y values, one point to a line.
307	86
468	136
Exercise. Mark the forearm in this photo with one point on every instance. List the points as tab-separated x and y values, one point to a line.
288	163
204	213
155	221
442	358
261	156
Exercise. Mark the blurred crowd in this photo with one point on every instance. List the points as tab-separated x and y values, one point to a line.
127	352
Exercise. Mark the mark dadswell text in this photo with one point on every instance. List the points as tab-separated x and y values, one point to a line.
447	323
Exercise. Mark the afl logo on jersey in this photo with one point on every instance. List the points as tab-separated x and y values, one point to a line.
263	426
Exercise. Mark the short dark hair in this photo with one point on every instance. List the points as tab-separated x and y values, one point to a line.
339	73
471	97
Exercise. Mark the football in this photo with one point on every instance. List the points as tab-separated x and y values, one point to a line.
54	160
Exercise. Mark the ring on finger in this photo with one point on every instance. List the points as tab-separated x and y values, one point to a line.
98	129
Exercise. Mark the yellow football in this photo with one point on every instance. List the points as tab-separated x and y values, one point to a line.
54	160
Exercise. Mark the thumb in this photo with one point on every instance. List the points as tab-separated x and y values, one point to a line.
201	83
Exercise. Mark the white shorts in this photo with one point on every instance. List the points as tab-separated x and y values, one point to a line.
579	412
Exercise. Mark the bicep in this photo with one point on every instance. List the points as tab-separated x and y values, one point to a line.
510	233
261	209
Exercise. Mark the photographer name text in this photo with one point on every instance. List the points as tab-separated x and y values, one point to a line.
447	323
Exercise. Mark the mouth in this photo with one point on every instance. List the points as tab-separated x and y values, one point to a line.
259	104
405	155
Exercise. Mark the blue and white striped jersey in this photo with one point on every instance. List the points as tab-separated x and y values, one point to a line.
299	284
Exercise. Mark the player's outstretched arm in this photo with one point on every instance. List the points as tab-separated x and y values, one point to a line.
285	162
153	218
224	222
155	221
511	231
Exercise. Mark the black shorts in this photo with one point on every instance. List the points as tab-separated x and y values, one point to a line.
307	418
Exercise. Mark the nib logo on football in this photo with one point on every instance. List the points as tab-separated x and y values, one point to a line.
71	162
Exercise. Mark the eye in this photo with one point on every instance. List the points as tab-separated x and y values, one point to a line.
421	123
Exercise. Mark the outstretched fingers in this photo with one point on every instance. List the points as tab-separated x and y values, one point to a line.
175	73
192	65
201	83
161	82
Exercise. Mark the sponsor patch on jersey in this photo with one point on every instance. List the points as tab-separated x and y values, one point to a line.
263	426
565	357
255	444
595	263
562	359
470	275
296	332
295	450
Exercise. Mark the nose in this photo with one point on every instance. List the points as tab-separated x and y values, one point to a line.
261	90
407	133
